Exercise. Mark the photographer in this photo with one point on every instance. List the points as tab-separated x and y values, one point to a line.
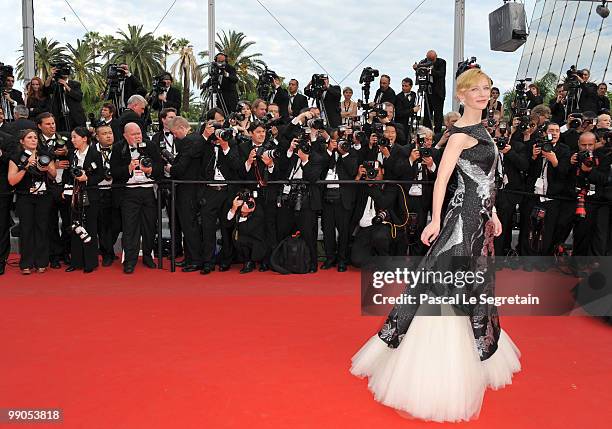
494	105
259	108
108	115
297	101
86	170
533	96
36	102
512	165
435	98
135	113
31	180
603	102
223	79
338	200
558	105
280	97
165	95
299	202
248	230
577	123
375	217
547	175
7	148
109	216
588	99
588	175
384	149
405	106
220	162
12	97
384	94
327	98
185	165
420	166
65	98
58	145
135	162
441	138
126	85
20	123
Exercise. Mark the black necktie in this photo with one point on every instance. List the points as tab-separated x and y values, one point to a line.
167	133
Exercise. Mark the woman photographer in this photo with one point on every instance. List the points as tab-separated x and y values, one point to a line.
348	110
36	101
86	170
31	171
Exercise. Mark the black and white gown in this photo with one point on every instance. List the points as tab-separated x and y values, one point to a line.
438	367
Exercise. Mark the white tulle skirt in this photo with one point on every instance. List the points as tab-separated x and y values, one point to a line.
435	373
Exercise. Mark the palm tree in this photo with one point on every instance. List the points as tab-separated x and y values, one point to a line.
167	42
46	52
82	58
247	67
187	67
107	46
143	53
94	41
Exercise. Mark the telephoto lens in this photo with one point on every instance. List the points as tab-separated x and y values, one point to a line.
43	160
76	172
145	161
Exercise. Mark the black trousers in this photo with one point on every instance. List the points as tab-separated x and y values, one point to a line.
371	241
591	232
139	218
33	212
5	226
109	224
178	230
533	247
420	207
215	210
59	237
565	221
85	255
505	204
187	215
336	217
289	221
266	200
250	249
435	105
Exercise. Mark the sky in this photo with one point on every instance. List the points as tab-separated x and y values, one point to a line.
339	35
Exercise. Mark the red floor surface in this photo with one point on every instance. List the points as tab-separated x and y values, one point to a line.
162	350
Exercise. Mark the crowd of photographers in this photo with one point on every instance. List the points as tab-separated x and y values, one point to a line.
77	184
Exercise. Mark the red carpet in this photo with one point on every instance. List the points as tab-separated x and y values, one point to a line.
161	350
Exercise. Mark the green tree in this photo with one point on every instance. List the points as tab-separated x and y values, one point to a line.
143	53
107	46
248	66
167	42
46	52
81	56
187	70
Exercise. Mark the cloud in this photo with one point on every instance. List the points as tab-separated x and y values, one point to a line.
338	34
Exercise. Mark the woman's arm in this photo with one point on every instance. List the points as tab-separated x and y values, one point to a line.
454	147
14	174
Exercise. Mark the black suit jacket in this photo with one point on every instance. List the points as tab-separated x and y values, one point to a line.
269	192
282	99
94	168
8	146
188	161
589	100
516	165
404	106
299	102
37	106
387	96
132	86
439	78
557	177
16	96
14	128
253	228
346	169
74	99
173	99
228	88
228	164
311	172
385	197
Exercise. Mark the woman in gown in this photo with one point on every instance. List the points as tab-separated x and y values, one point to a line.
438	367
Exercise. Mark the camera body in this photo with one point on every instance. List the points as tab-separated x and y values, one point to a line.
545	145
265	84
145	161
425	152
368	74
247	197
166	154
115	75
571	81
576	121
317	86
423	72
585	157
62	70
381	216
345	144
371	168
470	63
76	171
159	87
501	142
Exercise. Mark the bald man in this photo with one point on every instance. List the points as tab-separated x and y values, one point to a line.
435	98
136	163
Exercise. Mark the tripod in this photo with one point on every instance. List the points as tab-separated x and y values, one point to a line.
212	96
572	101
365	92
423	104
59	94
114	94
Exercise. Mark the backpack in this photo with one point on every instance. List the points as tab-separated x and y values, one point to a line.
291	256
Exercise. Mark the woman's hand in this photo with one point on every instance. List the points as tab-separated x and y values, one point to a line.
497	225
431	232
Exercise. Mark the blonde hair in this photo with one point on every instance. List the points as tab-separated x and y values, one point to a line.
471	77
178	121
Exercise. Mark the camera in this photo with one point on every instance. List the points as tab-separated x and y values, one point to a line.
159	86
62	69
225	134
247	197
423	72
523	124
344	144
371	168
584	157
304	146
265	84
22	163
425	152
381	113
368	74
576	120
545	145
466	65
571	81
237	116
317	86
80	231
501	142
115	74
43	160
491	122
167	155
316	123
145	161
381	216
76	171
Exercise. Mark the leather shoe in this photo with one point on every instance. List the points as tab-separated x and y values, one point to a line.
55	265
2	267
341	267
88	270
67	259
180	263
70	269
328	264
148	262
107	261
224	268
263	267
128	269
190	268
206	270
247	267
313	268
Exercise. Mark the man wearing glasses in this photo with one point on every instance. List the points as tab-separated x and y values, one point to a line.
11	98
